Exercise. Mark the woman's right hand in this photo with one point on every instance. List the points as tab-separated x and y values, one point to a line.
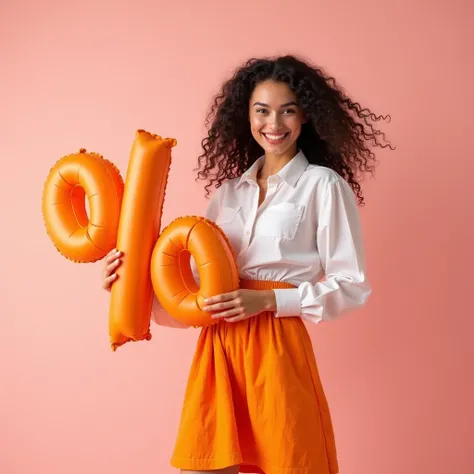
112	261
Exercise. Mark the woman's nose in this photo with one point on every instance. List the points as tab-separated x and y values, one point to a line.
274	120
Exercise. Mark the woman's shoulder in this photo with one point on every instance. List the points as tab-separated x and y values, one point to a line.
322	181
321	177
322	173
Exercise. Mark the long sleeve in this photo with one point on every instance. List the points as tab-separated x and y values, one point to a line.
340	247
158	314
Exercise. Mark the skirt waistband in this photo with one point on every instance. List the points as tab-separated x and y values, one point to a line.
264	284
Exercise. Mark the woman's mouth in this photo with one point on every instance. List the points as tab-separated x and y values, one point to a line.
275	138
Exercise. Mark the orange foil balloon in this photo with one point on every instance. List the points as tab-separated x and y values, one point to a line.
171	272
139	227
78	236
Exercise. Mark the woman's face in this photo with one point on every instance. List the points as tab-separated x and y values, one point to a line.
275	118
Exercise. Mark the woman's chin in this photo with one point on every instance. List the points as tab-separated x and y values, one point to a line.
280	149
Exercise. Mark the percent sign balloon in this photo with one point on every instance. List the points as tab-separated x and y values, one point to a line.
128	217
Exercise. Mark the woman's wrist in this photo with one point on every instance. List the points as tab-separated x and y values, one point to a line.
269	300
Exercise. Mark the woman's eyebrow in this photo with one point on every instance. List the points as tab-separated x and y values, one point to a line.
281	106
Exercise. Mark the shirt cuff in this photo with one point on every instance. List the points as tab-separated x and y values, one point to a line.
288	302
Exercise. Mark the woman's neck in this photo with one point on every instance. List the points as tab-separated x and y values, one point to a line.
274	163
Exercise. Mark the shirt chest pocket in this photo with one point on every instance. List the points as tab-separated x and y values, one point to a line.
280	221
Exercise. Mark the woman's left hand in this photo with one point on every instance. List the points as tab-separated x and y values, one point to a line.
240	304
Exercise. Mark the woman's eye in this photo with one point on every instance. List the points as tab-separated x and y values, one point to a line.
285	111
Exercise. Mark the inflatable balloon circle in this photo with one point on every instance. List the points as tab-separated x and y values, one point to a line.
75	235
128	217
171	273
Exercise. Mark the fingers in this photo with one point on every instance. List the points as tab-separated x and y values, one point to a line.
112	255
240	316
222	297
234	312
235	319
226	305
112	262
220	306
109	280
110	268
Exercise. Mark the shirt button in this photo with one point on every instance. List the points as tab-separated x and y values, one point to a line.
247	232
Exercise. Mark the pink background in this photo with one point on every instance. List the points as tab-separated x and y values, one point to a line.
398	374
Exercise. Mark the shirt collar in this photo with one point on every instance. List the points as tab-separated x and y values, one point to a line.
290	173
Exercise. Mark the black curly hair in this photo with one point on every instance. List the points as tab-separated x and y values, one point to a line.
337	134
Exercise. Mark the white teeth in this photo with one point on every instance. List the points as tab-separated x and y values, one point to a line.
274	137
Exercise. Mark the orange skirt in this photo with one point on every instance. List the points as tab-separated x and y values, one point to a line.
254	398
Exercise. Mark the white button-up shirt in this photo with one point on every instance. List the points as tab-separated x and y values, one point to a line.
307	232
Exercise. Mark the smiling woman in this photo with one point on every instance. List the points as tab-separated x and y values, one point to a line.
283	149
275	118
